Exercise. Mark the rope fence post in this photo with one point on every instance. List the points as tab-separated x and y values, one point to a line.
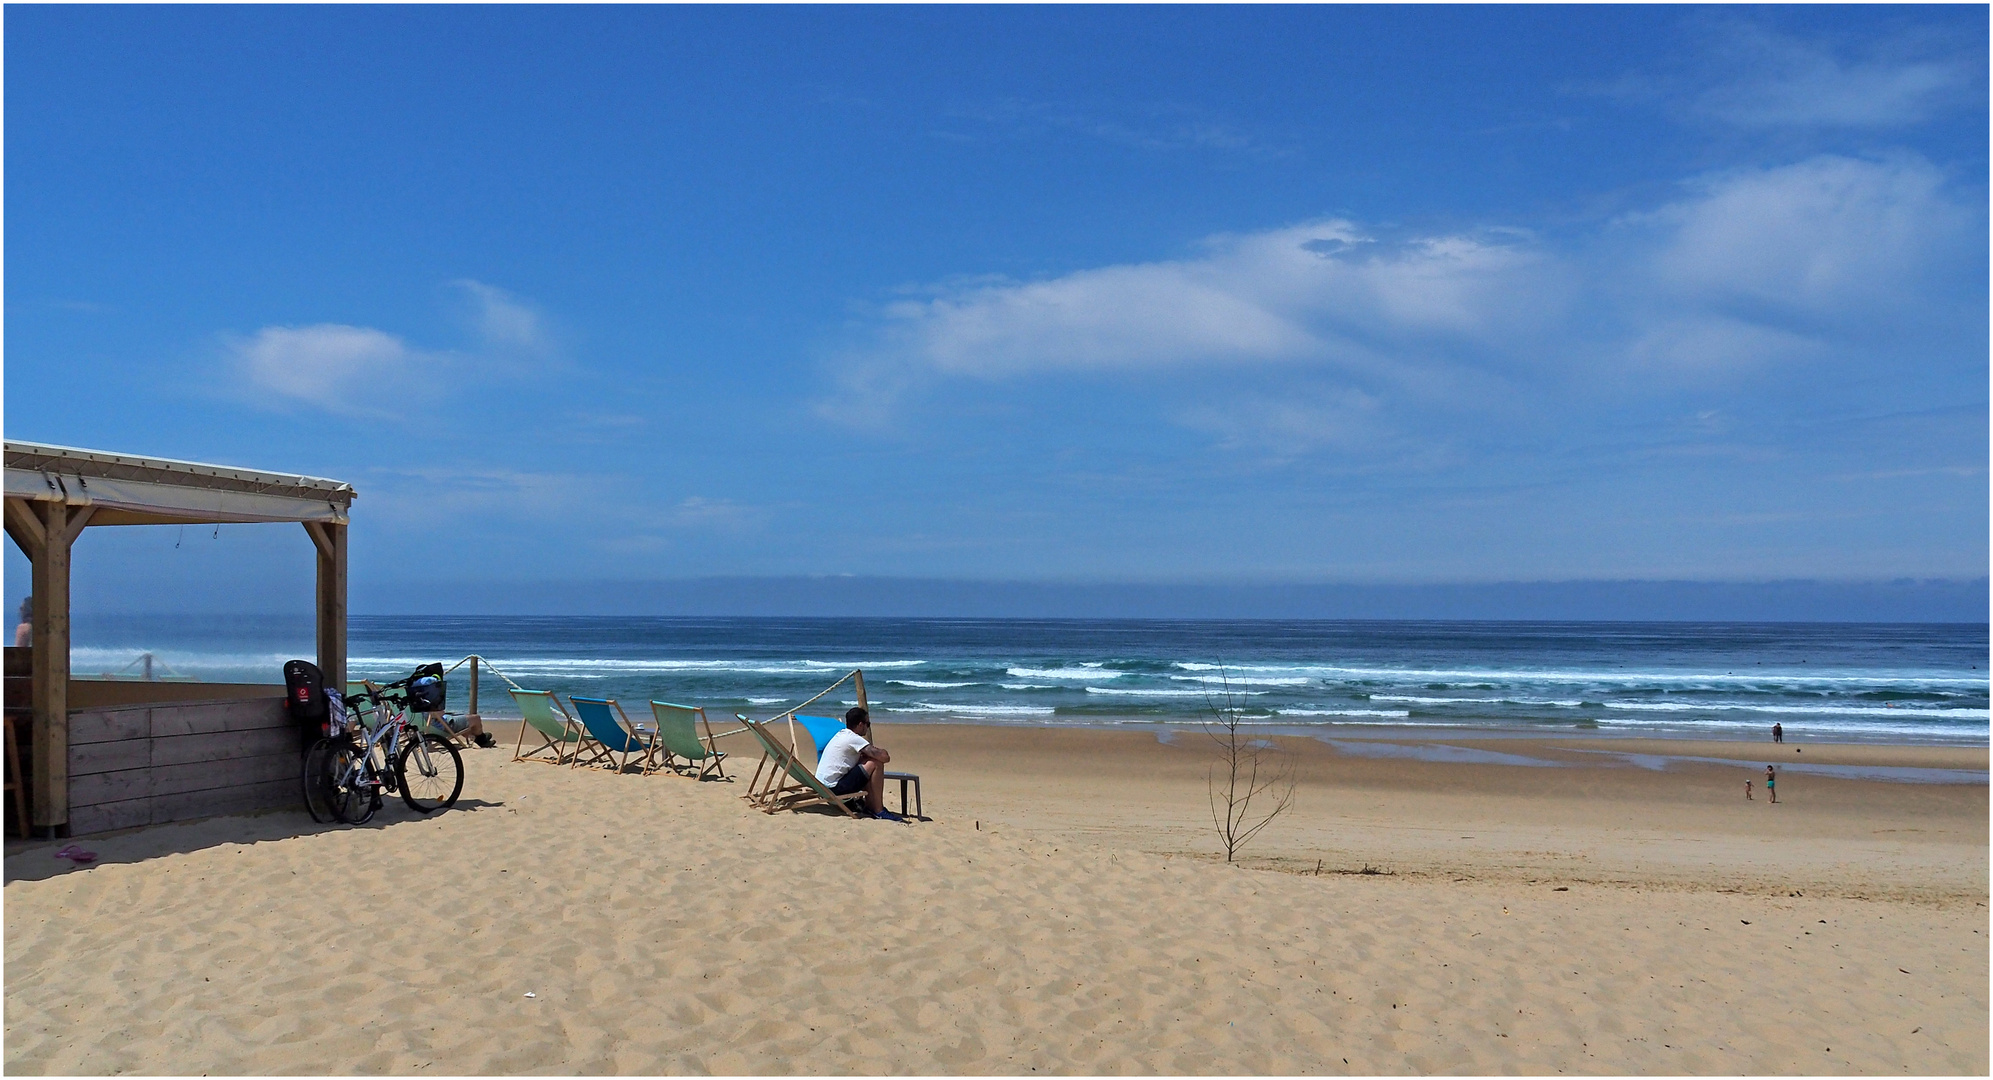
474	664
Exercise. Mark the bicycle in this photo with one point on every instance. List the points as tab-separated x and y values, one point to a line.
346	773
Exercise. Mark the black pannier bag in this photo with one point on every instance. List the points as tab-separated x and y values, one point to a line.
427	691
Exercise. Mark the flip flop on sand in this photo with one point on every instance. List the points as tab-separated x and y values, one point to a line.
76	854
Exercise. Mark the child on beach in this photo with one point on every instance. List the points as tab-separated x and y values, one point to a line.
1747	791
1771	782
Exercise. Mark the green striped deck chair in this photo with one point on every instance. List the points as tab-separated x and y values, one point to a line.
798	787
679	739
548	720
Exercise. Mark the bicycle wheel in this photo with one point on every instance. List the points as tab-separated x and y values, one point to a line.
355	795
432	774
318	782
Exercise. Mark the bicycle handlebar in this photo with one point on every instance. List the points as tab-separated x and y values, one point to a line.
384	693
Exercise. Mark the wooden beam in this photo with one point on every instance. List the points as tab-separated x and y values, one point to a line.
331	542
48	740
318	538
25	528
79	516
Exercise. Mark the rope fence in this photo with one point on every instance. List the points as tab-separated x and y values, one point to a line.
855	676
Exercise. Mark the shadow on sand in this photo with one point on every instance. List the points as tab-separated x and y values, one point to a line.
34	860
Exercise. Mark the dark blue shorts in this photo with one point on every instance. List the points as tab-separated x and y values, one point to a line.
852	781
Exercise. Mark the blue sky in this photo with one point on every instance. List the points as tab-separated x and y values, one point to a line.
1124	294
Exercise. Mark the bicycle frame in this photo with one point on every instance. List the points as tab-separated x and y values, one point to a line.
386	736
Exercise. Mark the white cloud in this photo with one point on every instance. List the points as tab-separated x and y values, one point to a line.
699	512
360	370
329	365
1291	424
1313	291
504	321
516	502
420	497
1824	236
1781	81
1745	271
1698	344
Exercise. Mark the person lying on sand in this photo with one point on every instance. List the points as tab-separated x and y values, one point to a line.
470	727
850	764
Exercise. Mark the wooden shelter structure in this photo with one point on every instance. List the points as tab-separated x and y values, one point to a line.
54	492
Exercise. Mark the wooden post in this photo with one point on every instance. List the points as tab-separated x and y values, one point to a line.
48	739
330	540
473	713
859	678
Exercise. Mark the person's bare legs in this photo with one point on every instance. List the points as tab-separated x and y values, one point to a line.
472	732
875	785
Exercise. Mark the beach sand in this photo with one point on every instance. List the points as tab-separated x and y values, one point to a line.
1063	911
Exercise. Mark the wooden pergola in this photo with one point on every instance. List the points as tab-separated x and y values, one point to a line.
54	492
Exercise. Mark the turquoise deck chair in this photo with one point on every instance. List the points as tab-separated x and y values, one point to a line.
543	714
677	737
821	728
611	735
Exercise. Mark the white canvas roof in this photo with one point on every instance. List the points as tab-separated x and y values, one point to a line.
130	490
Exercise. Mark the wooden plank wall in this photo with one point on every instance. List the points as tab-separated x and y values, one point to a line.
106	693
147	764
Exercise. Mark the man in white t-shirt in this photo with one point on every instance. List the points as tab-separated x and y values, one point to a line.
849	764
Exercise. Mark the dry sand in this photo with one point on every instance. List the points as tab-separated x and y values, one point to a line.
1062	912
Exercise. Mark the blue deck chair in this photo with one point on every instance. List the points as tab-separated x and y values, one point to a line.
821	728
612	736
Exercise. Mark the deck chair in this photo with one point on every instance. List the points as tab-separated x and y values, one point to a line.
821	729
549	720
678	738
799	787
611	732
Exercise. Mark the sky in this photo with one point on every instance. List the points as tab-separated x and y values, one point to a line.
1197	295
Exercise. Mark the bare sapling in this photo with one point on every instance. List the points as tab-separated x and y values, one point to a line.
1251	783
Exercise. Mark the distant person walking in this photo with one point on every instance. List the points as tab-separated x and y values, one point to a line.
1778	732
1771	783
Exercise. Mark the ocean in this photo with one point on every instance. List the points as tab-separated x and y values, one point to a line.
1907	683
